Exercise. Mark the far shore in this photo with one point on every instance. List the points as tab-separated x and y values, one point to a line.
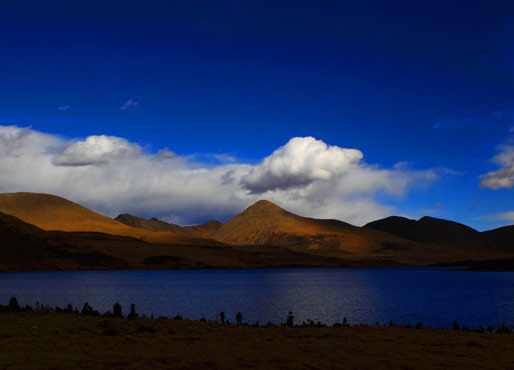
497	265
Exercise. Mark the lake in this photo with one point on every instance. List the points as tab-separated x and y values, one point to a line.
362	295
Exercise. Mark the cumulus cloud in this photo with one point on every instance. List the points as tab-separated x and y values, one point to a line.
504	177
112	175
129	104
300	162
96	150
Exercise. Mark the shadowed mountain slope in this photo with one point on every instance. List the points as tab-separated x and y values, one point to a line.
502	238
27	247
50	212
431	230
200	231
264	223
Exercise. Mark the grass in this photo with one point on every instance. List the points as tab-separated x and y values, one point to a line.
69	341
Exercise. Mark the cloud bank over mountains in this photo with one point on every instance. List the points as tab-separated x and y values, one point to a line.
112	175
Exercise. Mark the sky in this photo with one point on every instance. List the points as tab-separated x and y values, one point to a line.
193	110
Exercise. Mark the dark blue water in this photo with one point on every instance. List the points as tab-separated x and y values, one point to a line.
365	295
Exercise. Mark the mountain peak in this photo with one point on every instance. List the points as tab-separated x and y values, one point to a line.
263	207
264	203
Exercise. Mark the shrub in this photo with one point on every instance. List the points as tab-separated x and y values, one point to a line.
13	305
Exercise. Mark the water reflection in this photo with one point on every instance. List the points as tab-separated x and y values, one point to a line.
402	295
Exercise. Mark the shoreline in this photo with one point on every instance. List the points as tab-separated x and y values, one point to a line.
51	340
14	308
476	266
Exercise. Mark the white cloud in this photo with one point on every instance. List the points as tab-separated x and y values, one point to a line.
96	150
24	143
63	107
300	162
112	175
504	177
129	104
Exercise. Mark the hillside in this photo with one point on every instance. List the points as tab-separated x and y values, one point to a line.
394	240
24	247
54	233
431	230
264	223
502	238
199	231
145	224
50	212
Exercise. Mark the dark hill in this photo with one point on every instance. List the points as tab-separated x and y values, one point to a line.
432	230
24	247
150	225
502	238
401	226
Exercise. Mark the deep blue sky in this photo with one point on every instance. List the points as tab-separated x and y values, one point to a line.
428	82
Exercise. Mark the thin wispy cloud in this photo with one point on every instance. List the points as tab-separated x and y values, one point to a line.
223	157
63	107
129	104
214	158
500	119
113	175
500	216
448	123
507	114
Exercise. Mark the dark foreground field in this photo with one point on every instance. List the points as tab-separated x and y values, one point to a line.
68	341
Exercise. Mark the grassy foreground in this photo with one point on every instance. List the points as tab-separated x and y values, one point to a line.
69	341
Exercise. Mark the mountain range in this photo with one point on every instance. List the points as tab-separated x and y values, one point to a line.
41	231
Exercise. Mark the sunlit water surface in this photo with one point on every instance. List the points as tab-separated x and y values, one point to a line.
362	295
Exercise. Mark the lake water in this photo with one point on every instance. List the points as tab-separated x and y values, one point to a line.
363	295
